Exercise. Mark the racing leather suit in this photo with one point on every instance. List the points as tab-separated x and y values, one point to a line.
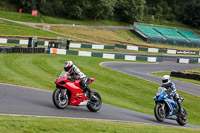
173	93
75	73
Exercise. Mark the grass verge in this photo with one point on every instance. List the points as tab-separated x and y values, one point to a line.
25	17
118	89
19	124
111	37
14	29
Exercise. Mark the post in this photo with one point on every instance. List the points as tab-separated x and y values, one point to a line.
35	44
67	44
30	42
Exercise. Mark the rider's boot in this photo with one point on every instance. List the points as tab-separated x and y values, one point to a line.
180	109
86	89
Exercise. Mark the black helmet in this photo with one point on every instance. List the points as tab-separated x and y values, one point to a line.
68	65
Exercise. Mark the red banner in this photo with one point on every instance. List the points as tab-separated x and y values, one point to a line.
34	12
20	10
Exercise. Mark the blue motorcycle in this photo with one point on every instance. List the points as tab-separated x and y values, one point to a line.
167	108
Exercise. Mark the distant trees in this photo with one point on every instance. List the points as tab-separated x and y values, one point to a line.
191	14
123	10
130	10
101	9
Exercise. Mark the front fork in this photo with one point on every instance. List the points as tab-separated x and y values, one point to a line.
162	109
63	93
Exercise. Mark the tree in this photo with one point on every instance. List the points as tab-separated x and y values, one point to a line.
28	5
77	9
130	10
191	14
101	9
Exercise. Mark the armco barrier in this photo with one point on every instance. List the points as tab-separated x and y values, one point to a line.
186	61
98	46
106	55
185	75
5	49
46	43
156	50
21	50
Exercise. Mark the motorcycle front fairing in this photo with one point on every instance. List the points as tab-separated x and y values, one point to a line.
76	93
73	86
169	102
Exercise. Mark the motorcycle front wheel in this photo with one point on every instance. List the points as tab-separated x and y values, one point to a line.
182	118
159	113
95	102
60	100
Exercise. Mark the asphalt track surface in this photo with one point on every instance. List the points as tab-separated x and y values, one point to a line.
143	70
19	100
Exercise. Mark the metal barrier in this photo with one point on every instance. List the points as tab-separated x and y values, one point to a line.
21	50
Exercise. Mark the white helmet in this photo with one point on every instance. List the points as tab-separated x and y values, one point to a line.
166	79
68	65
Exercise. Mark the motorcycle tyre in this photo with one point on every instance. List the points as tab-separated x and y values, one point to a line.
55	101
156	113
180	121
90	103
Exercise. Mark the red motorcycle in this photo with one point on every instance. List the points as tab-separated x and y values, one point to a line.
68	92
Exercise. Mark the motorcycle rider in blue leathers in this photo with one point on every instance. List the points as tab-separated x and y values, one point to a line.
170	86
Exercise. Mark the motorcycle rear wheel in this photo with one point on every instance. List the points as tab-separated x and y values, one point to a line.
160	116
181	121
95	102
59	101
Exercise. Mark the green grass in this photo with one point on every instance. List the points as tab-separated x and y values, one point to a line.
11	45
9	28
118	89
181	79
103	36
25	17
63	47
197	71
54	20
111	37
22	124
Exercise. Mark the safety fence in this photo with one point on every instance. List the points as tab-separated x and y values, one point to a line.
156	50
105	55
186	61
93	46
173	42
25	42
99	46
46	43
21	50
185	75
